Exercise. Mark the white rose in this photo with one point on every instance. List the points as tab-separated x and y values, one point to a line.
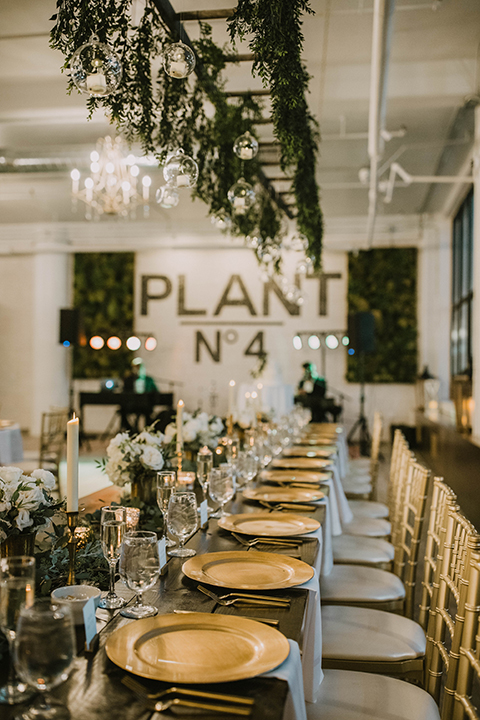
202	420
23	520
216	426
46	477
170	432
5	506
10	475
149	438
115	442
115	455
152	458
190	431
30	499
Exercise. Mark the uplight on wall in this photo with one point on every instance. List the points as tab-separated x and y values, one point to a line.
297	342
133	343
114	343
313	342
331	341
150	343
97	342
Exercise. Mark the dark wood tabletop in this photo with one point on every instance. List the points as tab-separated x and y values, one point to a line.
94	690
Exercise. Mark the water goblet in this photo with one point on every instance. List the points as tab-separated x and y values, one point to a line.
17	589
182	521
222	487
166	485
140	569
44	653
112	530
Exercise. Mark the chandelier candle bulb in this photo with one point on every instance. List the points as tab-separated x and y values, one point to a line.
72	464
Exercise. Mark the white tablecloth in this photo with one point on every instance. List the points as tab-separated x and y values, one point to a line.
291	671
312	641
11	446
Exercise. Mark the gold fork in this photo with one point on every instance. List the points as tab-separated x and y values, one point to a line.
143	693
265	541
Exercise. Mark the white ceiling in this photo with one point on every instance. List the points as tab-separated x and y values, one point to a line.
433	67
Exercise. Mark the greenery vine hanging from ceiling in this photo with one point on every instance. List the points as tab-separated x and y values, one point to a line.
165	113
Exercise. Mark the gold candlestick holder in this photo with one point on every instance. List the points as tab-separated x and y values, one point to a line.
179	460
230	424
72	520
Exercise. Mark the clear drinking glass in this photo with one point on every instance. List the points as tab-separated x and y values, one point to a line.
222	486
44	654
182	521
17	589
112	530
204	467
166	485
140	569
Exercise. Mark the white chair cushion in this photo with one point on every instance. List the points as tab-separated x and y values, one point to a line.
357	476
359	583
358	549
346	695
368	508
355	633
360	462
372	527
363	488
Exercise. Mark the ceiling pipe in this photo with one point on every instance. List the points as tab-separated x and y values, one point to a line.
383	11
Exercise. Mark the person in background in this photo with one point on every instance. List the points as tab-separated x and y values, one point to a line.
136	381
312	393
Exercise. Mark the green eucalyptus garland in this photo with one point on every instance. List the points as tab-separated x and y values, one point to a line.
164	113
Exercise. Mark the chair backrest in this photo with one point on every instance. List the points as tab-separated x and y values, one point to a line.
52	438
375	452
468	668
446	614
397	489
442	498
413	514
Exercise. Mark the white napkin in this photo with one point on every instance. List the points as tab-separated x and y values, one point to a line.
324	561
312	641
291	671
344	510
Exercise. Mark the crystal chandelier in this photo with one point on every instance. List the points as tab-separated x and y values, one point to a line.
111	188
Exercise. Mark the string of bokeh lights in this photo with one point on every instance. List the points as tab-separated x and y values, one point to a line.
114	342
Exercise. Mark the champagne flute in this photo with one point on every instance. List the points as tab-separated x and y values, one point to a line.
112	530
140	568
222	486
182	521
204	467
166	484
17	589
44	654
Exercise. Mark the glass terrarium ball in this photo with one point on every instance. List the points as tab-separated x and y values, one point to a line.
245	146
95	69
180	170
242	196
167	196
178	60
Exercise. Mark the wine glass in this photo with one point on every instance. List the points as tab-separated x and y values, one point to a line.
222	486
140	569
182	521
204	467
166	483
44	654
17	589
112	530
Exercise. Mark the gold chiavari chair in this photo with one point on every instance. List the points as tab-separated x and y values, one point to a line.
442	498
468	669
445	626
375	551
373	588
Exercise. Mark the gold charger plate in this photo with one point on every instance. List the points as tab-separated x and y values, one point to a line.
311	452
267	524
301	463
286	494
244	570
303	476
179	648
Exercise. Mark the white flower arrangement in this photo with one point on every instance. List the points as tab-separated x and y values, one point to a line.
198	429
131	458
25	501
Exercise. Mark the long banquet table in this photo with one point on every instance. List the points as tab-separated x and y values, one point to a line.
94	688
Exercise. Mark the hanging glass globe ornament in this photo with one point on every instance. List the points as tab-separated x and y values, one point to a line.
253	241
95	69
221	220
242	196
178	60
180	170
167	197
245	146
